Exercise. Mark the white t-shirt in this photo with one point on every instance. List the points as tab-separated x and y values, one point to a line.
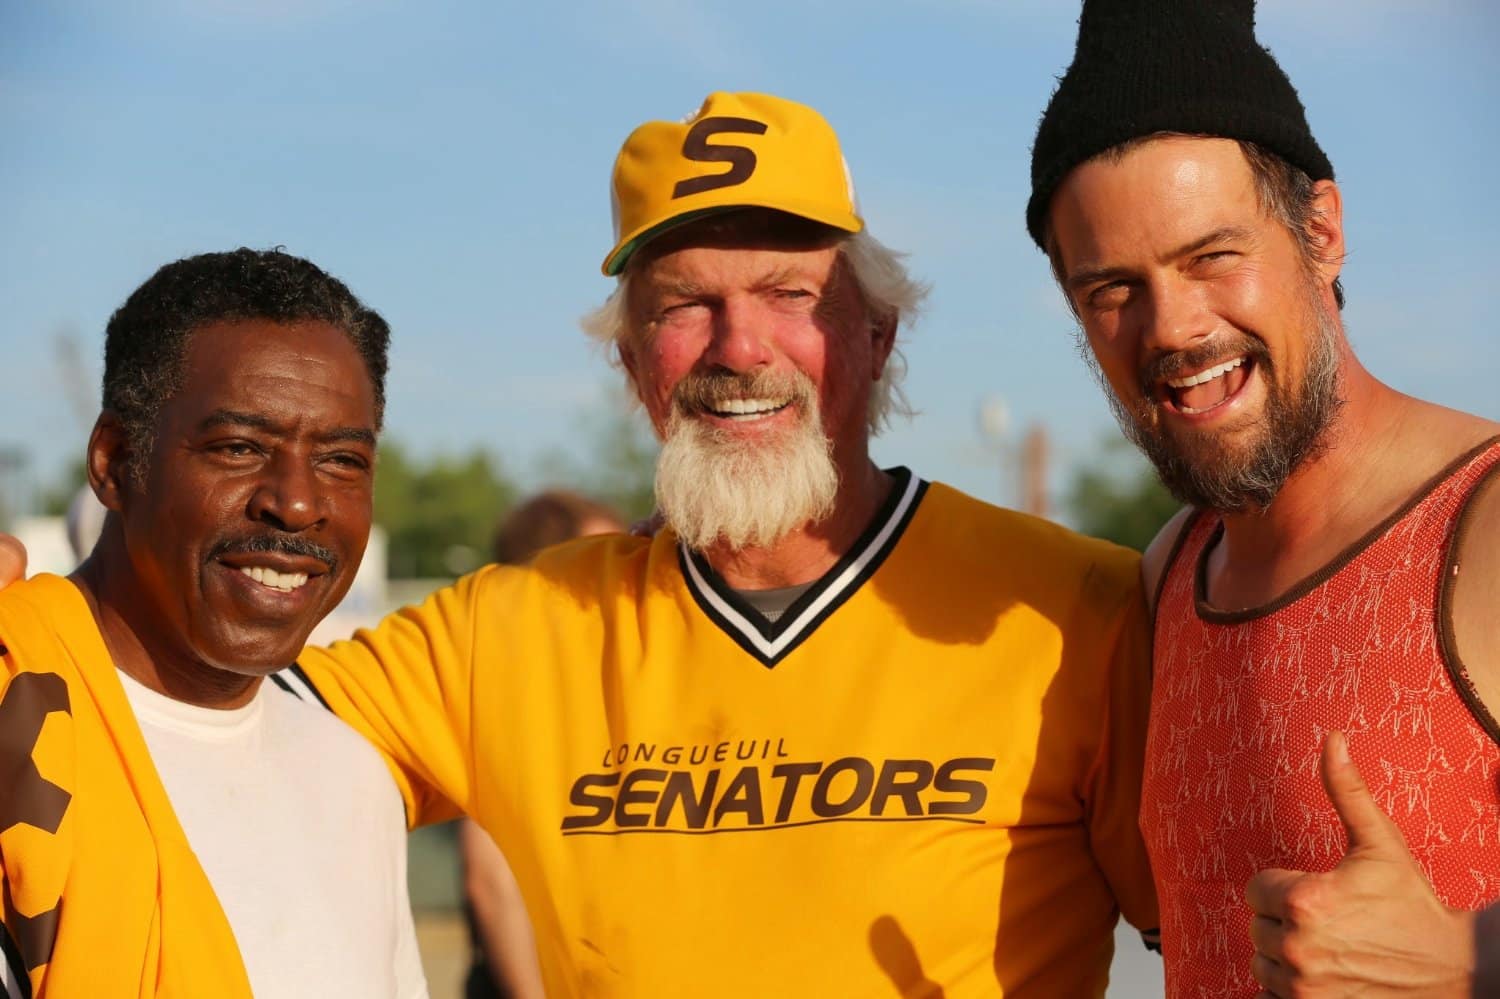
301	831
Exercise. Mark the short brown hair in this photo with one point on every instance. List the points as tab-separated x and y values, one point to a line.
546	519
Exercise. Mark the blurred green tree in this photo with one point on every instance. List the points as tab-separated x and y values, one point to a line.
617	464
438	515
1119	498
55	499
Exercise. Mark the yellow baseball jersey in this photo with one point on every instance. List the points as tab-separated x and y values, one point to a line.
924	774
102	894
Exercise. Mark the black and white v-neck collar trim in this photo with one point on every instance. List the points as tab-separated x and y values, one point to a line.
772	641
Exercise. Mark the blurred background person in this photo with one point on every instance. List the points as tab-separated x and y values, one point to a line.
505	962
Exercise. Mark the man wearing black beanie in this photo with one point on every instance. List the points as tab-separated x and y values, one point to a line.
1325	604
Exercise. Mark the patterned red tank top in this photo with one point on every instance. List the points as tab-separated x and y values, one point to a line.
1240	704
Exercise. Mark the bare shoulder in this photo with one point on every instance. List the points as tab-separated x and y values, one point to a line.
1471	592
1159	553
1438	435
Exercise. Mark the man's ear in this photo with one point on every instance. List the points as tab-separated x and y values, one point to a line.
1325	230
108	460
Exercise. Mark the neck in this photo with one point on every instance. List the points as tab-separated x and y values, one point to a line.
805	554
143	645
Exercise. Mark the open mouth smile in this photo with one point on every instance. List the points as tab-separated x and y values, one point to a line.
1204	391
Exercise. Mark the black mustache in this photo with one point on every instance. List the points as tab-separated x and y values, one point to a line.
279	544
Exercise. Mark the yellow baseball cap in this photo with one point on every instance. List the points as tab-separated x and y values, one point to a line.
737	151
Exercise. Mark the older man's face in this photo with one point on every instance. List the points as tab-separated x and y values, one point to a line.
1210	327
764	356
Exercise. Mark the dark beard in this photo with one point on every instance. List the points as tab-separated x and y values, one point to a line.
1197	471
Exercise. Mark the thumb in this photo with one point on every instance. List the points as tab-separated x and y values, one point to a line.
1367	826
12	560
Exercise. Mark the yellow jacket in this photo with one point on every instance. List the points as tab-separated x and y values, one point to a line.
102	894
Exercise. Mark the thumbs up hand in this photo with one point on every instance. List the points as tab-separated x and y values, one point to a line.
1369	927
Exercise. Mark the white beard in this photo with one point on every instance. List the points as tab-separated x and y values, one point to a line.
746	492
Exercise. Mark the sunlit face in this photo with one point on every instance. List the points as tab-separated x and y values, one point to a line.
757	357
1214	333
752	311
256	501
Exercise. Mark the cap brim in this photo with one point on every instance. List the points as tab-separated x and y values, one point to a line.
626	247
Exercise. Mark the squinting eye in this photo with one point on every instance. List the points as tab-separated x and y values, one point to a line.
1109	296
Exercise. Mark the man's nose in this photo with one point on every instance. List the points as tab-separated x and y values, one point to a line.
1174	318
289	497
740	337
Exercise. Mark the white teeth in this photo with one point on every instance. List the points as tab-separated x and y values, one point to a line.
749	407
1206	376
284	582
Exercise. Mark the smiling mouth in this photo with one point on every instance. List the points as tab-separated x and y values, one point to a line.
743	410
281	582
1208	389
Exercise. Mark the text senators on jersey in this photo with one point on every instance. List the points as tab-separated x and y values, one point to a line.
774	791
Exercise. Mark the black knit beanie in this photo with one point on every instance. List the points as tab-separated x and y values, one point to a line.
1146	66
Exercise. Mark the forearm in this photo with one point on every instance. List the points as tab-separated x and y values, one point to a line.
501	922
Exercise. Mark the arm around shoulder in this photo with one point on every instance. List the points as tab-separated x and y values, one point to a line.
1113	792
405	685
1467	619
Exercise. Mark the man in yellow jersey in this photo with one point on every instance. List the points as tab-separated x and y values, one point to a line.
170	824
837	730
1326	607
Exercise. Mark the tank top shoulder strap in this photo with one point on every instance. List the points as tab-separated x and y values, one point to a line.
1183	557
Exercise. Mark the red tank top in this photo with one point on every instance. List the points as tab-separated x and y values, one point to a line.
1240	704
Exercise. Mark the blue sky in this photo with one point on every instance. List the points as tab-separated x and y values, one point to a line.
450	161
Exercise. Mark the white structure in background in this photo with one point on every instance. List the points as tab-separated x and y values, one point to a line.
1023	468
47	547
366	601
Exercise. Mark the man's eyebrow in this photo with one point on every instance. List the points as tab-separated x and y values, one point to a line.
220	418
679	287
351	435
1085	276
234	418
1224	234
793	274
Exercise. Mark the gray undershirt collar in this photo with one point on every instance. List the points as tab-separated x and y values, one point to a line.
773	603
